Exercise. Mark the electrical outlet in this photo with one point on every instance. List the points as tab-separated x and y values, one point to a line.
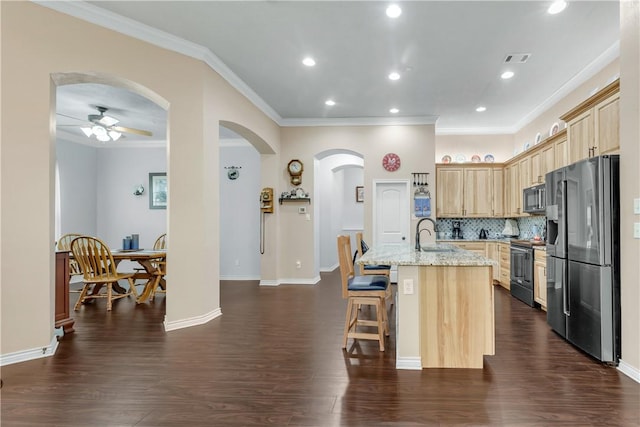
237	262
636	230
636	206
308	217
302	210
298	264
407	286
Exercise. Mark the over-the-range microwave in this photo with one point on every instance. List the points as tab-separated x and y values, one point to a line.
533	200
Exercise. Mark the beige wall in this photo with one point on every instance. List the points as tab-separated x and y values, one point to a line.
544	121
630	179
500	146
38	42
414	144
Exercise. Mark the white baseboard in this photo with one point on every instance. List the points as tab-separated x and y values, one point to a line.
269	283
329	269
412	363
290	282
34	353
192	321
630	371
239	277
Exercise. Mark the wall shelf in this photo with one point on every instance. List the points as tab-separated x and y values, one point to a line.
295	199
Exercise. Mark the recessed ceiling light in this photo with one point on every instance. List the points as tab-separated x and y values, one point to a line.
557	7
507	75
394	111
393	11
309	61
394	76
481	108
330	102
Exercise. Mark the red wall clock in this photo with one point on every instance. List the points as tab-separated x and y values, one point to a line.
391	162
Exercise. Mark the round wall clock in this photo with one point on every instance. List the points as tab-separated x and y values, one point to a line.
233	174
391	162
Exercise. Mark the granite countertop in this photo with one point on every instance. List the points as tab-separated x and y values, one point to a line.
438	254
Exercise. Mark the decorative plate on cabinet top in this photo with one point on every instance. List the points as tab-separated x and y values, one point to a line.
554	129
461	158
538	137
489	158
526	146
446	158
475	159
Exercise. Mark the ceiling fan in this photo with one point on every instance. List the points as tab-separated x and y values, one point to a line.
104	127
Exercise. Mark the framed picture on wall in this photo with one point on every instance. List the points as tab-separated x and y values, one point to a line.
158	190
360	194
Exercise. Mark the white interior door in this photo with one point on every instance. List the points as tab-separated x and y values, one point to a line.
391	216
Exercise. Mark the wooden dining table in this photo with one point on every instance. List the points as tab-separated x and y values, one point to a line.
146	258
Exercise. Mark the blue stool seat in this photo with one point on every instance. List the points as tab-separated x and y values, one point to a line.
368	283
377	267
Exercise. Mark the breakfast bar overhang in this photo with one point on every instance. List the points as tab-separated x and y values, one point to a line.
445	305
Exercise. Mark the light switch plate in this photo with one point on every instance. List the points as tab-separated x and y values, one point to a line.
407	286
636	206
636	230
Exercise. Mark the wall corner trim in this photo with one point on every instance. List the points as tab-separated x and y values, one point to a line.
192	321
409	363
31	354
630	371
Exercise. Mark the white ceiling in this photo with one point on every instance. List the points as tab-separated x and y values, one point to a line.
450	55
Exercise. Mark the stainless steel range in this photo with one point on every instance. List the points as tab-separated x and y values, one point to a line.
522	270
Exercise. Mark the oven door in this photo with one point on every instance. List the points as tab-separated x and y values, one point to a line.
522	274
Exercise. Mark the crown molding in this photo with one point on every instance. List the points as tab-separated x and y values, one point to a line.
477	131
585	74
138	30
360	121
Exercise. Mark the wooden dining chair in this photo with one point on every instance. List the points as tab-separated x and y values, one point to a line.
161	267
64	244
362	248
371	290
98	270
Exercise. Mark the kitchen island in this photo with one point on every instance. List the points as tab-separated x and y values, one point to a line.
445	305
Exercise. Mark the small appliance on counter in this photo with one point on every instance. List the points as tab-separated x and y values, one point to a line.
510	228
456	232
483	234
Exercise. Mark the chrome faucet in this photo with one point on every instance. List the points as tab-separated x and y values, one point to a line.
435	229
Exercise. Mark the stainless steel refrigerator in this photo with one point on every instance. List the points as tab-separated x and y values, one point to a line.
583	255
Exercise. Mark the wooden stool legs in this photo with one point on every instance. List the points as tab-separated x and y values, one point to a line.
381	321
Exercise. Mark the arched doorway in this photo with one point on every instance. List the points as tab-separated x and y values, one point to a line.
108	177
338	174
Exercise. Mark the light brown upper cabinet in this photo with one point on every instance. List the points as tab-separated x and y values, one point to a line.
468	191
593	127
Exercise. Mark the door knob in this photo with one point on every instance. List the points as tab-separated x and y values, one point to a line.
403	238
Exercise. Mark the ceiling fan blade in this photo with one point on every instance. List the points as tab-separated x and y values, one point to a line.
71	117
131	130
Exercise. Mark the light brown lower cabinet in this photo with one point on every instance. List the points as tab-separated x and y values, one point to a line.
540	278
504	250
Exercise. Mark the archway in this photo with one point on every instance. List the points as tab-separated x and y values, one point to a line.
338	172
105	177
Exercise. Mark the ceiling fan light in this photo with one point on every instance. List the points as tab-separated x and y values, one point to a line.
108	121
99	131
114	135
87	131
103	138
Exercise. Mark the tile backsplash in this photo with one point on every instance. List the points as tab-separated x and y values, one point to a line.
471	227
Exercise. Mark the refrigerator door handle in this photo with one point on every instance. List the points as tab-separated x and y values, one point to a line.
565	290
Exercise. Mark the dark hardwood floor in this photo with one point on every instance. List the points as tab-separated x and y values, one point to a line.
274	358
